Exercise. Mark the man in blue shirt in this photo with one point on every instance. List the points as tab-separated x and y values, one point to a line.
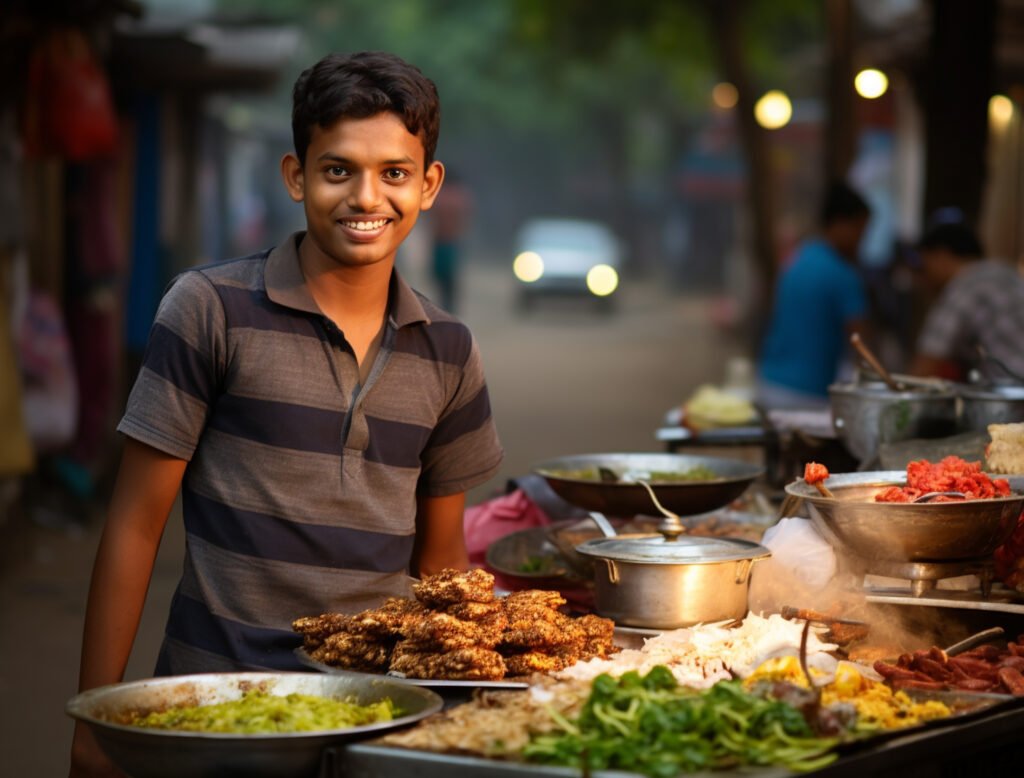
820	301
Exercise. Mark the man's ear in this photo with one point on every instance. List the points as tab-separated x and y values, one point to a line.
294	180
432	180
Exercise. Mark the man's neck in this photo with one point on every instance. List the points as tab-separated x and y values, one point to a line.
354	298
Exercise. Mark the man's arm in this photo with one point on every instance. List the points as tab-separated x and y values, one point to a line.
440	541
144	492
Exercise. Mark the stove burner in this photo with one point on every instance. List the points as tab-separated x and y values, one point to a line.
924	576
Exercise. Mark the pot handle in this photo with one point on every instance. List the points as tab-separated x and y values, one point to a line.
613	571
744	566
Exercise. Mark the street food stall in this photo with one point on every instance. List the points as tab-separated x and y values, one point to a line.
909	660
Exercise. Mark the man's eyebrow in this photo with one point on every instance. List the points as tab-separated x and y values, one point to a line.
329	157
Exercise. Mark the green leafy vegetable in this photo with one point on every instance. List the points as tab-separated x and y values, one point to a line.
649	724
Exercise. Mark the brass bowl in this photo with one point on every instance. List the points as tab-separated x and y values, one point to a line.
907	532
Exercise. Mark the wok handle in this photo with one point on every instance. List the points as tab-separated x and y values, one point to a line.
613	571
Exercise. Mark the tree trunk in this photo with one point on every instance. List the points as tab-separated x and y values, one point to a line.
956	104
725	20
840	123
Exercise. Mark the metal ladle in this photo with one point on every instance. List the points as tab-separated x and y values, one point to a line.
929	496
671	528
868	355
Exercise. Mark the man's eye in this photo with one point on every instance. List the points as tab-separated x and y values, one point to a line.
336	171
395	174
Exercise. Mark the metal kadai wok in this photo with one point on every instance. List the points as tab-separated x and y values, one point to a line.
163	753
881	532
624	498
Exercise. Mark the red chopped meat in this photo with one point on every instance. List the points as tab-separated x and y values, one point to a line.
815	473
952	474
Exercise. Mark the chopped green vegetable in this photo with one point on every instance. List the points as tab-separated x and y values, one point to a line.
534	564
649	724
258	712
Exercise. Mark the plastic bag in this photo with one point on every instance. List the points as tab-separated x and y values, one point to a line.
799	548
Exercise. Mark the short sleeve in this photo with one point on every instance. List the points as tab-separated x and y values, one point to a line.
181	369
946	326
463	450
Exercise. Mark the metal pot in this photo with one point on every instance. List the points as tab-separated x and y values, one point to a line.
648	581
981	406
865	415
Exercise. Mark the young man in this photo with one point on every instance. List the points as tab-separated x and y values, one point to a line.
819	302
980	303
322	420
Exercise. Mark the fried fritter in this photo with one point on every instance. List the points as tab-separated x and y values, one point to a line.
533	598
437	631
542	632
490	614
537	662
469	664
316	629
354	652
388	620
452	586
596	628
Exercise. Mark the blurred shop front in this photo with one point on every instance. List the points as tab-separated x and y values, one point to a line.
111	185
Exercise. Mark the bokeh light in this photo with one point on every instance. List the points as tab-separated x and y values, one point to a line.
602	280
1000	111
528	267
724	95
773	110
871	83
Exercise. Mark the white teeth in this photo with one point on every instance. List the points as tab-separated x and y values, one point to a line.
365	226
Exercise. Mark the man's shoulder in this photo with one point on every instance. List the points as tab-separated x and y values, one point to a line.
235	270
985	278
442	337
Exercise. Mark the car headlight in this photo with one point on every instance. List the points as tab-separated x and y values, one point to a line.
602	280
528	267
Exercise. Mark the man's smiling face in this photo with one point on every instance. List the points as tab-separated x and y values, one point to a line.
362	187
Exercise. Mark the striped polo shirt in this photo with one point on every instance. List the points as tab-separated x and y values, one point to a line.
300	493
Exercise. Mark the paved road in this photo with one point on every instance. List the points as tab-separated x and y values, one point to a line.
564	379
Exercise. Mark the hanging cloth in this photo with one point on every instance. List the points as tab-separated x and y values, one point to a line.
69	110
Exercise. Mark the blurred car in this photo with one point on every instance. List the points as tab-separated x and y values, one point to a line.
566	256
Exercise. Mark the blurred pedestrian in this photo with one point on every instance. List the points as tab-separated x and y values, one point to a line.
820	301
980	304
450	218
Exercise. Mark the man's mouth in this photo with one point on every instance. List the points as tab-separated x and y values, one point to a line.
363	225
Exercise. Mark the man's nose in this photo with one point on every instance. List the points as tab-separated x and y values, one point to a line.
365	192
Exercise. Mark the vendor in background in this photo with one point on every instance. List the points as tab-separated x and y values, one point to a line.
820	300
980	304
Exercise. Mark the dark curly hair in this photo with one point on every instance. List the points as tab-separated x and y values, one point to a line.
361	85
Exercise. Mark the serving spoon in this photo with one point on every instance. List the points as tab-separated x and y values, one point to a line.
929	496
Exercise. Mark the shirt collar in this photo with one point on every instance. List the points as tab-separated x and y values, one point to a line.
286	286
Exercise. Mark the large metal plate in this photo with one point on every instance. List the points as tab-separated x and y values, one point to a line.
431	683
982	717
627	500
154	753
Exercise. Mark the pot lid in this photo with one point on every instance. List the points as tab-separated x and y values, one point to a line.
685	550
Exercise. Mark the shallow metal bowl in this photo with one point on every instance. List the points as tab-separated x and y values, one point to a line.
625	500
155	753
907	532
